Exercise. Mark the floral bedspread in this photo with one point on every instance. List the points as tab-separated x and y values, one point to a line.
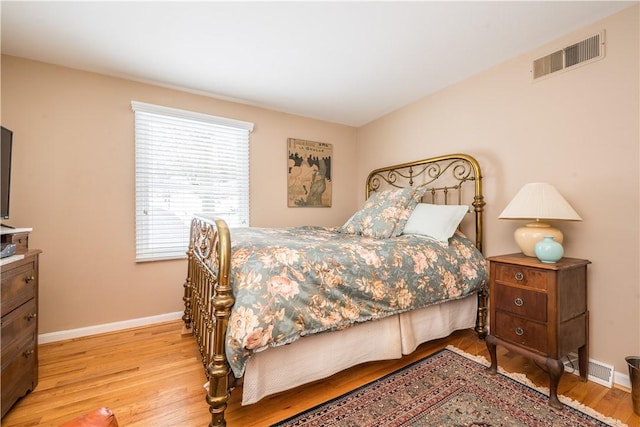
292	282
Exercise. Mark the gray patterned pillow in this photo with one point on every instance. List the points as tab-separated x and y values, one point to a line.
385	213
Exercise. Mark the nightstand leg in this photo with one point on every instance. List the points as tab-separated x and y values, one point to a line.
555	369
583	352
583	362
491	346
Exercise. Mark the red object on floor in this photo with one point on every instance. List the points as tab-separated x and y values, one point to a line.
102	417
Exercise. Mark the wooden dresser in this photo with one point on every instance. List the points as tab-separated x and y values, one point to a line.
540	311
19	310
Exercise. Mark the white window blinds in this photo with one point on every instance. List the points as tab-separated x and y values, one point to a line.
186	164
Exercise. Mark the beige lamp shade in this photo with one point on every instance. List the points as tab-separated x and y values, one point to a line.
538	201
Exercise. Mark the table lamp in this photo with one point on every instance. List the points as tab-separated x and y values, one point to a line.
538	201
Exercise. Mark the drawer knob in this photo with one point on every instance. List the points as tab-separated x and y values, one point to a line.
519	276
28	353
519	302
30	278
519	331
31	316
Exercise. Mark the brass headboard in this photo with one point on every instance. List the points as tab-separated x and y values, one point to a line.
450	179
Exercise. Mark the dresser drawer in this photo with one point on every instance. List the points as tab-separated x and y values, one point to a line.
19	373
521	331
528	303
522	276
19	323
20	239
18	286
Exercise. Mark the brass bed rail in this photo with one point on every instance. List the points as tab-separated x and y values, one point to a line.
208	295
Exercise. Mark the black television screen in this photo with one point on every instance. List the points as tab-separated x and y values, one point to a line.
5	171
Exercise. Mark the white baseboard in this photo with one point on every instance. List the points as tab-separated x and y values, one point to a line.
623	380
107	327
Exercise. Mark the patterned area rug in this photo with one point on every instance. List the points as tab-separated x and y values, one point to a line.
449	388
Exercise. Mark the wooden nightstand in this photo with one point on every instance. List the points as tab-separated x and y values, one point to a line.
540	311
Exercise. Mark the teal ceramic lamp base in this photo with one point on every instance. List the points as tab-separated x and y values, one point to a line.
548	250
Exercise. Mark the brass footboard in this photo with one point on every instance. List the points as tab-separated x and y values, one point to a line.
208	299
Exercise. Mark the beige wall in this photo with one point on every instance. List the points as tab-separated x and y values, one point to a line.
73	182
578	130
74	164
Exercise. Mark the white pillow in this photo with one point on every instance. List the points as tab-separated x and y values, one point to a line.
436	221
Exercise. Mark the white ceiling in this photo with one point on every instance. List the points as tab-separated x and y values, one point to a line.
344	62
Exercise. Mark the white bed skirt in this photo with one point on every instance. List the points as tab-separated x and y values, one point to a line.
319	356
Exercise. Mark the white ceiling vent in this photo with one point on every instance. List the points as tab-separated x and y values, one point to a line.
585	51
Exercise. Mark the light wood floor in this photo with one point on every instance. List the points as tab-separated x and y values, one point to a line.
153	377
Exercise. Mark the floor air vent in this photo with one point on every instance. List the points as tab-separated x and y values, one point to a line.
599	372
588	50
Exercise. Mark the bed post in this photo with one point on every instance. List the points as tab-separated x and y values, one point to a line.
481	328
222	301
186	298
478	208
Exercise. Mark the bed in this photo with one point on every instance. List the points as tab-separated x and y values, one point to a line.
278	308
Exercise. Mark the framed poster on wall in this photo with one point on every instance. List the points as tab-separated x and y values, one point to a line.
309	173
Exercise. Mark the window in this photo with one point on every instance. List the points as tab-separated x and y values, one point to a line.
186	164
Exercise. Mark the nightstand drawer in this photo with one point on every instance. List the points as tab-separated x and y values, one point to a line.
522	276
521	331
522	302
